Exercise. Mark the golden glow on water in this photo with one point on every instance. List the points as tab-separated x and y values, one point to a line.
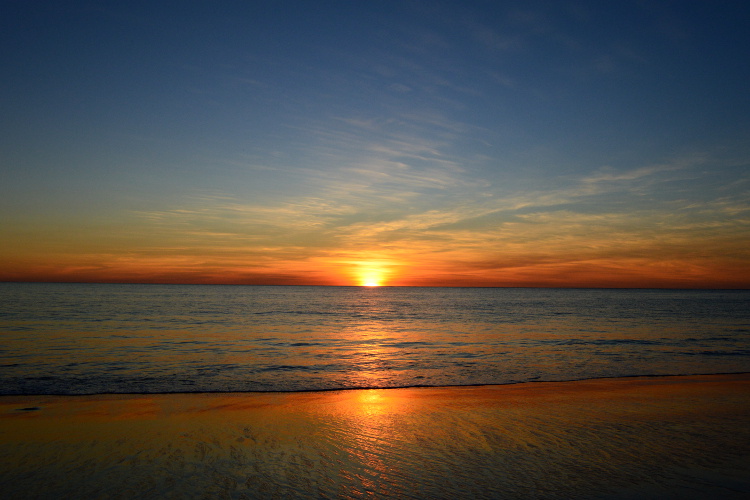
329	338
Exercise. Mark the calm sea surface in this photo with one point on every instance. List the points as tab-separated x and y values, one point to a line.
92	338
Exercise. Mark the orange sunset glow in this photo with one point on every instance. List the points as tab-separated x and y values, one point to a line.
406	145
587	261
373	273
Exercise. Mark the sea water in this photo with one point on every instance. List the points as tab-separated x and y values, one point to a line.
126	338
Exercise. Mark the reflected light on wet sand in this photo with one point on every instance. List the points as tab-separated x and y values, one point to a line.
645	437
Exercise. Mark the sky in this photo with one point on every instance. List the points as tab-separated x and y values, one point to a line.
412	143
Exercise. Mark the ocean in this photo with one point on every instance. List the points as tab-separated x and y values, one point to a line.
127	338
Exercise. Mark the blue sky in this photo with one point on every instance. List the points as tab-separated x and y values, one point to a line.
491	143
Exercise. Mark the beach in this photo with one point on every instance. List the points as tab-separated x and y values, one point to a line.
635	437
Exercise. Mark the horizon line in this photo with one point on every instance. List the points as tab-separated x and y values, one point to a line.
567	287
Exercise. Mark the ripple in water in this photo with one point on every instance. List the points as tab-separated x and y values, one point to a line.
83	339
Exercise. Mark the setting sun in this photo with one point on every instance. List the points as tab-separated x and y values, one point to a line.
371	279
372	273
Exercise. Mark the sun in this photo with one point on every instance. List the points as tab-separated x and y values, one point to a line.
371	276
371	272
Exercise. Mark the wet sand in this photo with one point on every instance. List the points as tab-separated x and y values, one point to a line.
646	437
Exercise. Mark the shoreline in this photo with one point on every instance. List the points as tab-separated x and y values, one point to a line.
644	437
369	388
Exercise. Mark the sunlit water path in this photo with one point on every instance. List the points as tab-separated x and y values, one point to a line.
94	338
